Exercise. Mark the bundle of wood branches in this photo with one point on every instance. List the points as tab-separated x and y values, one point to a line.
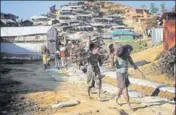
167	62
98	41
80	53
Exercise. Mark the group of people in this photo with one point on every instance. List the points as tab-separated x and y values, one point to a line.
121	59
60	57
74	50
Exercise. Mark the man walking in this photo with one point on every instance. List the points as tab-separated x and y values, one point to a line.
122	59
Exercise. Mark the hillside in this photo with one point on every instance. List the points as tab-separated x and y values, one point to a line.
138	19
150	55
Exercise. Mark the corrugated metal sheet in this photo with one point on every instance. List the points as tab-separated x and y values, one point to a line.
169	34
20	31
157	35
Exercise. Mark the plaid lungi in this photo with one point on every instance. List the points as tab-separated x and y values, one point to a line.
93	76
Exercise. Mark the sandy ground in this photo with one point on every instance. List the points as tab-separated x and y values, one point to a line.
34	90
150	55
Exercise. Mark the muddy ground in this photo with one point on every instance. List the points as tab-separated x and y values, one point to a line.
25	88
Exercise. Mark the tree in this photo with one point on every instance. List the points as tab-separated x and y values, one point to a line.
153	9
174	9
162	8
143	6
152	5
43	14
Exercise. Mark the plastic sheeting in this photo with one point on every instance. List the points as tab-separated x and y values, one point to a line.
21	48
21	31
119	32
157	35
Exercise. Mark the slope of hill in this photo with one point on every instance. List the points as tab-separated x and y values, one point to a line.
151	55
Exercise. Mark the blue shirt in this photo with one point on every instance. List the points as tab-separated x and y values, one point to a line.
122	64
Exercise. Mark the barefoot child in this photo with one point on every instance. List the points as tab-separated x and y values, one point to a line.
93	71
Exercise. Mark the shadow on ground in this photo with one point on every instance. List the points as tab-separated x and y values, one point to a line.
20	78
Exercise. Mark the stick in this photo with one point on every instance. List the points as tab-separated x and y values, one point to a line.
141	73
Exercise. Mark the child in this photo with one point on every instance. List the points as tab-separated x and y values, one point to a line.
93	71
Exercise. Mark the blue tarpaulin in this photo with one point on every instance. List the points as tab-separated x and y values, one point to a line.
122	34
119	32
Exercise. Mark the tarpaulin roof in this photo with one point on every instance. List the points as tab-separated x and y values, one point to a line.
74	36
5	21
122	32
38	17
21	31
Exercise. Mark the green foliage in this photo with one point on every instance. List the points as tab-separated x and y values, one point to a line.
143	6
153	8
162	8
43	14
174	9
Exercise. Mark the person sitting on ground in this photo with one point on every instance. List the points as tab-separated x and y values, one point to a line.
122	58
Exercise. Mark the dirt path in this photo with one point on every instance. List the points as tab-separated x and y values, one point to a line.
34	90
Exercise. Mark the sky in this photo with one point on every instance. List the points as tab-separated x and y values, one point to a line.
26	9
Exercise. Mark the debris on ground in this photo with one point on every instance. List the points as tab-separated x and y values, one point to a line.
166	62
28	89
64	104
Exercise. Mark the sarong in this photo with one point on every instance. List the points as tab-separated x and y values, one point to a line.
93	76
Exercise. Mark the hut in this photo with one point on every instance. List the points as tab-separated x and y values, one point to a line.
168	21
27	40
